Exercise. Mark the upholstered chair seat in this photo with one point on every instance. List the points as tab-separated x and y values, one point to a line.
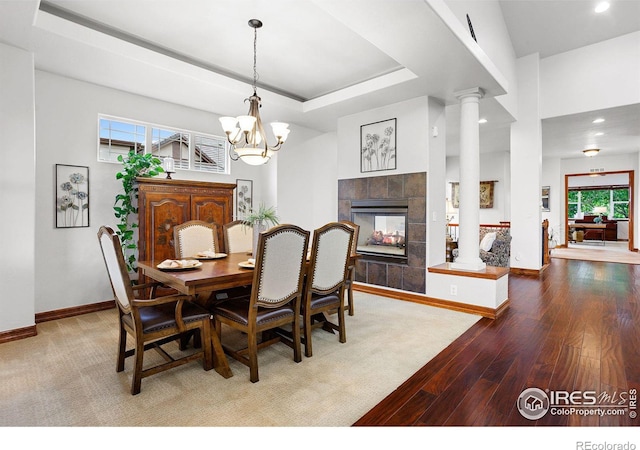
161	317
320	302
236	310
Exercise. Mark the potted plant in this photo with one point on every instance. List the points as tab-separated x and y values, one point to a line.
258	220
126	204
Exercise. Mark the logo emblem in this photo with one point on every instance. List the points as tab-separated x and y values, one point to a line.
533	403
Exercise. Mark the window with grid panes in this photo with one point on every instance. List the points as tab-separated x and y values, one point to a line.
171	143
210	153
207	153
118	137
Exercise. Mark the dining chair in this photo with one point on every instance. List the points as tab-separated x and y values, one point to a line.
275	296
238	237
326	280
351	276
151	322
195	236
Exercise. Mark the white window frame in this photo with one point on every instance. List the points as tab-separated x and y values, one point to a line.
148	145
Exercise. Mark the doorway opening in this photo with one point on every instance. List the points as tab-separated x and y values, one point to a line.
591	217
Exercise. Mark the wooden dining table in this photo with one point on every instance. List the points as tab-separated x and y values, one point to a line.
213	275
199	283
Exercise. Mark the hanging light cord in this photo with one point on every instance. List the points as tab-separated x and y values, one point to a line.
255	56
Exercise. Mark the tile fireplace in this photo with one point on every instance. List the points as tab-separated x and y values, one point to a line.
383	228
395	206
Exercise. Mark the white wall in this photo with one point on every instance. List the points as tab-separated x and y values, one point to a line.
598	76
17	189
307	181
412	138
494	166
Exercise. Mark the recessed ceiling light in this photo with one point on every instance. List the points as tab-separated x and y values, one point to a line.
602	7
600	133
598	120
482	121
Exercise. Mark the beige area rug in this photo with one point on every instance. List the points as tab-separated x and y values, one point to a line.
65	376
611	252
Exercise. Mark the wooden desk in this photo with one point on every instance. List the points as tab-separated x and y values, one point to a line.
214	275
588	226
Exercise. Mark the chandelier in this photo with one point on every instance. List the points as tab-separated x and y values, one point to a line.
246	133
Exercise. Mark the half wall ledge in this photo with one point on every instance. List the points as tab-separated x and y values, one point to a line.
485	289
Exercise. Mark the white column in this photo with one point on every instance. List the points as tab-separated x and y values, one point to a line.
469	225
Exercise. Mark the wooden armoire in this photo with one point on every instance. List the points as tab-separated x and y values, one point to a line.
163	204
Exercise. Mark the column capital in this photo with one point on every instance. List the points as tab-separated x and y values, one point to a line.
476	92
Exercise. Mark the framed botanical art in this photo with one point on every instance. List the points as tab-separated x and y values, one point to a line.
378	146
244	198
72	196
486	194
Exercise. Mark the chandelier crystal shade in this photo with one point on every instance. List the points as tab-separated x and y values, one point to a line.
246	133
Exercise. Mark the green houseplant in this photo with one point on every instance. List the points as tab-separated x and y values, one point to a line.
126	204
258	220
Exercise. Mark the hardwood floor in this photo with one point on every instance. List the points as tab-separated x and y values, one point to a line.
576	327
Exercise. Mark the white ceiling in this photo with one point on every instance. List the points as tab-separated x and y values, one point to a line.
552	27
317	60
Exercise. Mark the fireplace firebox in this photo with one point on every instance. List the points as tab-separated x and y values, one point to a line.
383	229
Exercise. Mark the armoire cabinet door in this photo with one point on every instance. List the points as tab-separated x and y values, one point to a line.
165	203
212	210
163	212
